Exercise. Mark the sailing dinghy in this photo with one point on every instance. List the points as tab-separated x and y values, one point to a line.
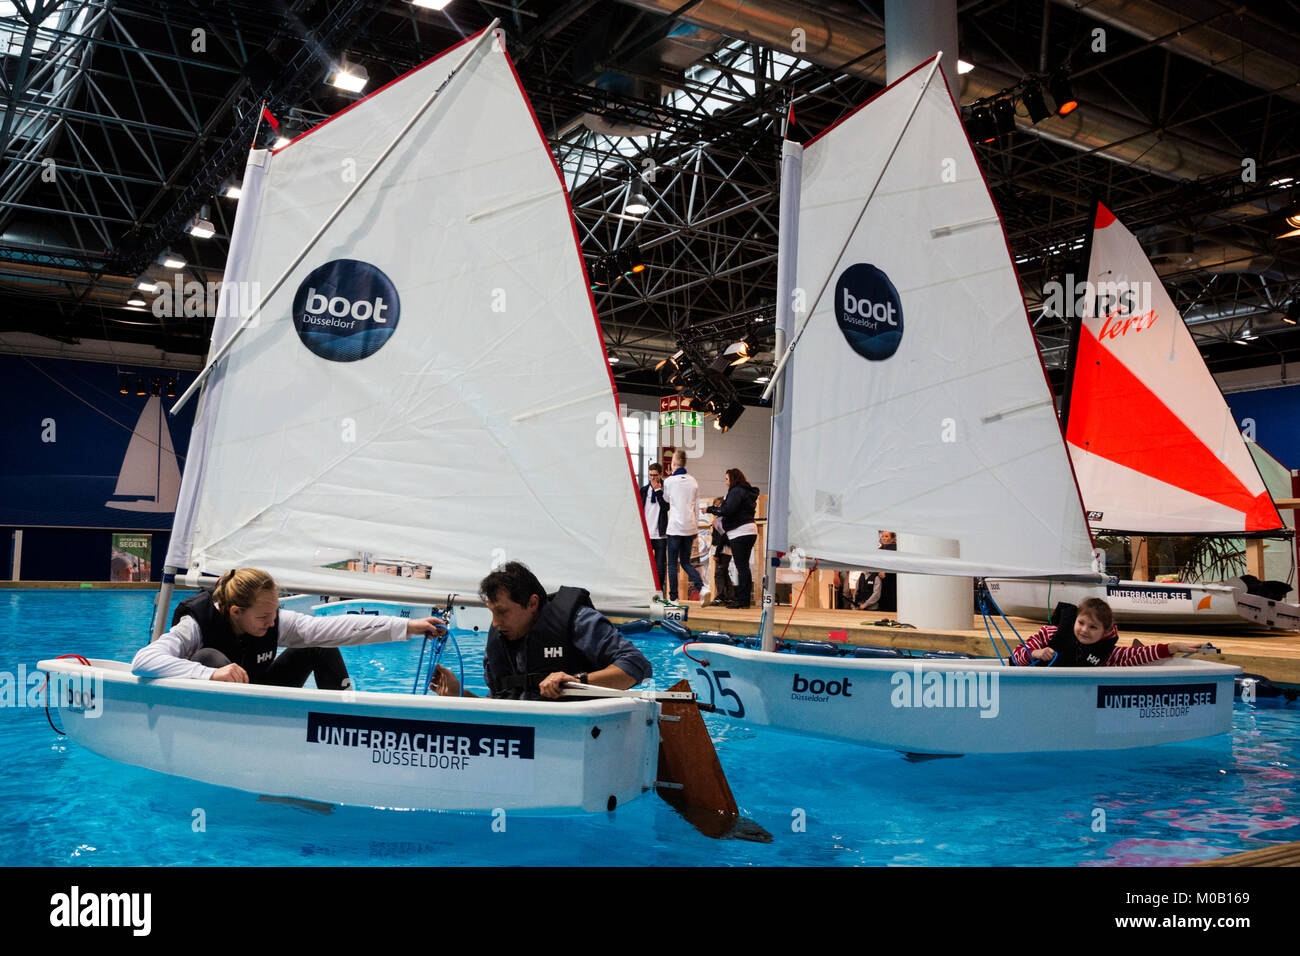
917	402
426	379
1154	446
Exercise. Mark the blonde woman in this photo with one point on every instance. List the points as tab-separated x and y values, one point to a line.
233	632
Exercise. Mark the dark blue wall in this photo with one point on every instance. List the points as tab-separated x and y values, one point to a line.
1276	413
55	490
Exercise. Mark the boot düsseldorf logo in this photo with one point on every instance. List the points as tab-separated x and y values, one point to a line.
346	310
869	311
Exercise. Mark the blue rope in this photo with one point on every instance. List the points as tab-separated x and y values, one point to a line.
986	599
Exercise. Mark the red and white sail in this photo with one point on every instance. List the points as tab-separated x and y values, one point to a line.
1154	444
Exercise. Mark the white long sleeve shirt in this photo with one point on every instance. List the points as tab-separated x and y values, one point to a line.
682	492
169	655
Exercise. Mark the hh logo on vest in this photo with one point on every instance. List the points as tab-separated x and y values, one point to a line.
263	658
553	651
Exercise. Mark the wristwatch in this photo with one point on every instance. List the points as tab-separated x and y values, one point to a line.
582	677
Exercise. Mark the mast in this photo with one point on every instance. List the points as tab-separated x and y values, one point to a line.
778	479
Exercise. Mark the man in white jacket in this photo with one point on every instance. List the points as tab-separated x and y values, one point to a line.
682	492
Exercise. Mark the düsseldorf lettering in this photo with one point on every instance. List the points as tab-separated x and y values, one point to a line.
869	311
805	688
431	744
918	688
345	310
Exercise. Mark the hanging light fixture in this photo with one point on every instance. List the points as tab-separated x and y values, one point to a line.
349	77
636	201
1004	116
200	226
1062	93
1033	100
124	383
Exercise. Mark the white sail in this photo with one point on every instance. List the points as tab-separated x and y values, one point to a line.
234	281
1153	442
921	404
149	468
430	383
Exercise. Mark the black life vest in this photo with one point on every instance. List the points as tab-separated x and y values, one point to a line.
253	654
548	648
1070	653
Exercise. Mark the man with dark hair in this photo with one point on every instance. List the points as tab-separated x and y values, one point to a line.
540	642
656	520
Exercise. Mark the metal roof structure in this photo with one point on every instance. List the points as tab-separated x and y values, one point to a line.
122	120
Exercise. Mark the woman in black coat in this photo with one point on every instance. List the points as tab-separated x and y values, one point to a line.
737	514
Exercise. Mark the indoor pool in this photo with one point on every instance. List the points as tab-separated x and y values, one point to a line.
823	803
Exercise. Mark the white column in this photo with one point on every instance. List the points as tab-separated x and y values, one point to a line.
914	32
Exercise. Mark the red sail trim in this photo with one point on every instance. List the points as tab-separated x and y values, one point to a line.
1104	217
1132	427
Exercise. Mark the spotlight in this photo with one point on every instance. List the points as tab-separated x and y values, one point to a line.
171	388
1293	217
1292	316
145	284
155	387
981	126
1004	116
431	4
1062	93
349	77
963	67
232	188
1033	100
729	416
169	260
139	385
136	302
124	383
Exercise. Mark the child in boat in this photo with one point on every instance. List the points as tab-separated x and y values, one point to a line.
232	633
1092	642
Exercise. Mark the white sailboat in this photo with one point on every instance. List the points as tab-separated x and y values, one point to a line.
917	402
1153	444
425	379
149	469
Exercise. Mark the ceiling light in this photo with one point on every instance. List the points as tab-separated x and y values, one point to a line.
981	126
1033	100
431	4
137	301
763	379
613	360
232	189
1293	217
1063	94
1004	116
636	204
963	67
350	77
146	285
201	228
170	260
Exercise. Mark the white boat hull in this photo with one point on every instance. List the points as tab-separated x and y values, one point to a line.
365	749
1202	606
967	706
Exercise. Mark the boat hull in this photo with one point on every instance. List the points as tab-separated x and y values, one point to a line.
972	706
1149	603
365	749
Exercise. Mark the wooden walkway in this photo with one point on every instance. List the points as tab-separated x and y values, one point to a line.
1284	854
1271	654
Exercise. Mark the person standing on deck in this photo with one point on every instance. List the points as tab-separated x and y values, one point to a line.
682	492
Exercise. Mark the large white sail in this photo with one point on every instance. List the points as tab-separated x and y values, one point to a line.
149	467
920	403
1153	442
430	382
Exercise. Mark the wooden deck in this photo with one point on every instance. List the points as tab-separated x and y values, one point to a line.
1271	654
1284	854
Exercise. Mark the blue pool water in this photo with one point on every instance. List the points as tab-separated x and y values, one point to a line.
824	803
